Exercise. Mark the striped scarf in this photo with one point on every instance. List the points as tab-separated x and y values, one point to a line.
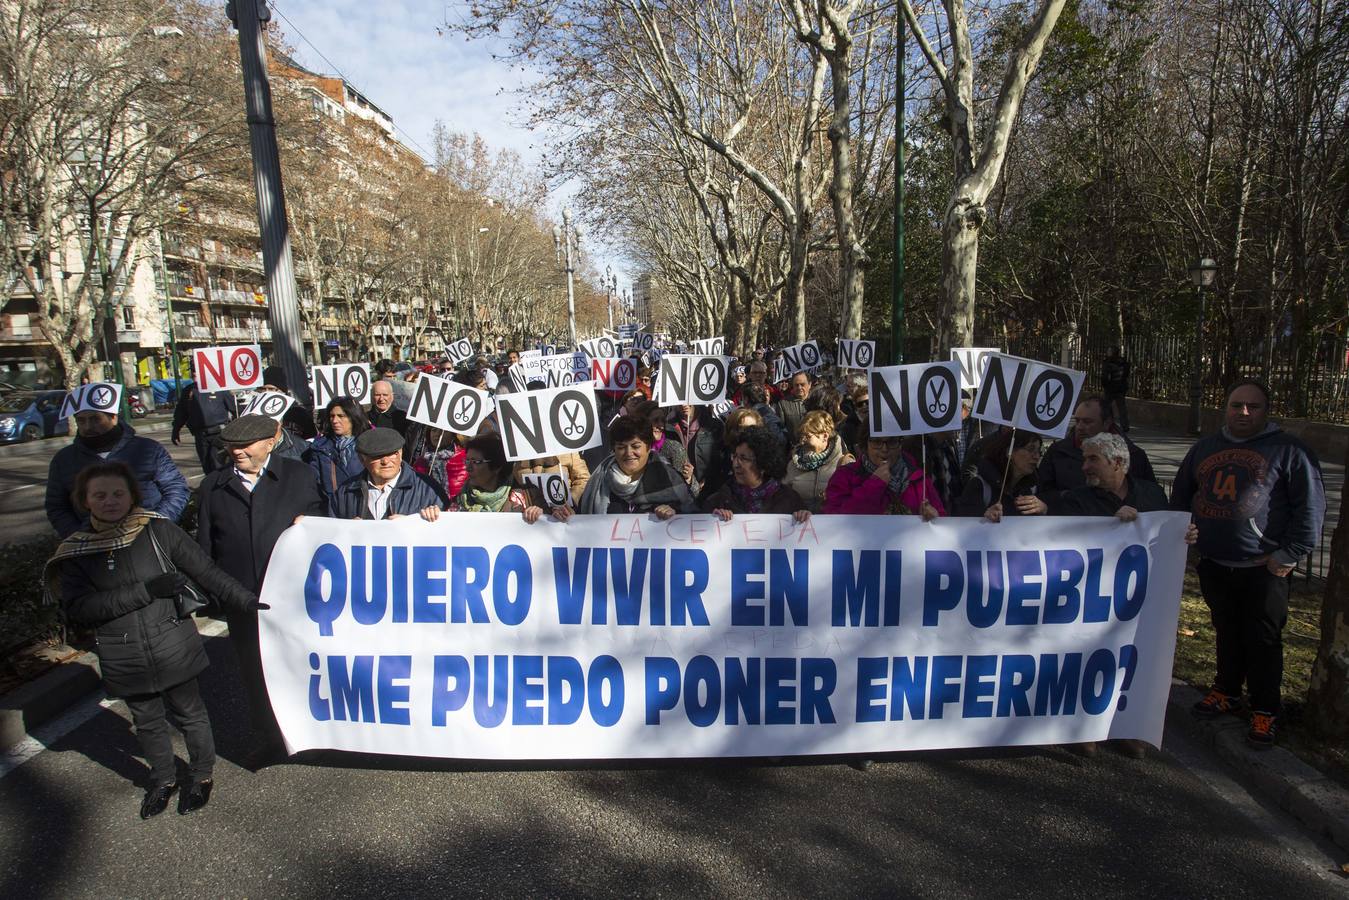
89	543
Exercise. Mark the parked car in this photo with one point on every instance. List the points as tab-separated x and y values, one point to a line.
30	415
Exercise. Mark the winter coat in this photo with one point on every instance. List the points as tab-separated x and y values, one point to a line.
163	488
704	449
456	469
239	529
412	493
1144	496
328	466
1061	468
783	501
981	491
811	484
394	418
660	485
573	467
852	490
142	646
791	411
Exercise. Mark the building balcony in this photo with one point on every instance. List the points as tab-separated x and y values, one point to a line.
251	262
12	332
242	298
128	336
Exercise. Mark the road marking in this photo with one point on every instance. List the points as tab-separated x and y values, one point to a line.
24	487
84	709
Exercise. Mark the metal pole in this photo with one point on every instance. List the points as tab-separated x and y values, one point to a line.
1197	383
283	308
571	296
168	307
897	267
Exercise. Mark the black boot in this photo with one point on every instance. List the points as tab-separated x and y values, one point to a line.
194	796
157	799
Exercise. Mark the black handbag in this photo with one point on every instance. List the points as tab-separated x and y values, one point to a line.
189	598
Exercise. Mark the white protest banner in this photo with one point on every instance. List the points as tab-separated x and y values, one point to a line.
1028	394
615	637
614	374
97	396
603	347
548	422
929	389
449	405
552	487
553	371
228	368
340	380
530	354
856	354
695	380
710	347
973	364
643	342
797	358
272	404
459	352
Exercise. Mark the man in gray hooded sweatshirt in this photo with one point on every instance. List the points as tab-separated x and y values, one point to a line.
1256	495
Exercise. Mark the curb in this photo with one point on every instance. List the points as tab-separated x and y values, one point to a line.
54	691
1276	774
45	697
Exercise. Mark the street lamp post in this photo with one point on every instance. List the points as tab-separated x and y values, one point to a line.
567	239
1202	274
610	289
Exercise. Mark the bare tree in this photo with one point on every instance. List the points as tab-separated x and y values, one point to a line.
977	163
114	113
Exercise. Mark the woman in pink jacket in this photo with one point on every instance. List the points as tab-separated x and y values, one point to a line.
884	480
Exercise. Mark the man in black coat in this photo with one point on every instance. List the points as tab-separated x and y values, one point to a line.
242	511
204	415
1061	467
389	487
382	413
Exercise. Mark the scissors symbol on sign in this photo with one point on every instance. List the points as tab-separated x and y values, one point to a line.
463	411
937	404
573	413
1048	405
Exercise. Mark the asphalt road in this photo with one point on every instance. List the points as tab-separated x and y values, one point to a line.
23	477
989	824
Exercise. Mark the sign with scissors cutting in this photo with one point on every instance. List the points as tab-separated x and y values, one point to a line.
915	399
1028	394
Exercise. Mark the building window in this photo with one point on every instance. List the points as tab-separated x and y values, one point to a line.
129	318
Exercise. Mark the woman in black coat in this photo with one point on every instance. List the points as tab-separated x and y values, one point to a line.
111	579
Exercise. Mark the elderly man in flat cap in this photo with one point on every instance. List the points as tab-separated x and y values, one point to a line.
242	510
388	488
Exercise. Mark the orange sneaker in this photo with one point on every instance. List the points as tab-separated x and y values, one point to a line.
1264	728
1215	704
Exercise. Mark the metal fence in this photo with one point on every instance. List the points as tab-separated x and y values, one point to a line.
1307	378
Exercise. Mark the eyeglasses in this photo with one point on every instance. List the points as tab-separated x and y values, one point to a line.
469	461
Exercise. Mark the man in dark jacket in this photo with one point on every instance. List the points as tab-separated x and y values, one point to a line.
204	415
1256	494
1061	468
1115	385
100	436
389	487
382	413
242	511
791	409
1109	489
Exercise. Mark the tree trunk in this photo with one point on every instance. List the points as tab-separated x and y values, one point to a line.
959	263
1328	694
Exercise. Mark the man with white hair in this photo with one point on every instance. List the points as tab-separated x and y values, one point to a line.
1109	490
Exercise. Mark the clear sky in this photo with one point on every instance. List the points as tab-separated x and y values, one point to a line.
397	54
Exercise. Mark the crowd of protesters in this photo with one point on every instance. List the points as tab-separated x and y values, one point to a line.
801	446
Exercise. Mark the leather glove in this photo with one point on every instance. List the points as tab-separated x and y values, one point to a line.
257	604
166	585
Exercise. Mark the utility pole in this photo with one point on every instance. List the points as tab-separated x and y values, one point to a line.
282	308
897	267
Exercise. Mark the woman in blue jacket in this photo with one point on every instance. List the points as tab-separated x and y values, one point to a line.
332	455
